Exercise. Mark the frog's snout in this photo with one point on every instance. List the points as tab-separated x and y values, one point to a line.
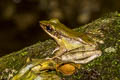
41	25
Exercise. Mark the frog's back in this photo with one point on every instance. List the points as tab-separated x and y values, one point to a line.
69	33
78	36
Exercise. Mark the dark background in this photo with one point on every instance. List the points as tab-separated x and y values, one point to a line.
19	19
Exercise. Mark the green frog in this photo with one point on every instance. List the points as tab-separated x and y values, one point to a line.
73	46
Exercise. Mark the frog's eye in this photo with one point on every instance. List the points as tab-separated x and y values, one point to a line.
49	29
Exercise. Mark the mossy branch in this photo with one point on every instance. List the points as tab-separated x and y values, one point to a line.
105	67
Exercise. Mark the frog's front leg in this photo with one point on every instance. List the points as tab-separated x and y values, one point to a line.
58	51
81	57
55	50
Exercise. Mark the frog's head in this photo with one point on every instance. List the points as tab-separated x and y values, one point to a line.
50	27
55	29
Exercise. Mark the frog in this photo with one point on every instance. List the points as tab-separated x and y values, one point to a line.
72	46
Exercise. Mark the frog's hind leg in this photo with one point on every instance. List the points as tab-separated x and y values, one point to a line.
81	57
84	61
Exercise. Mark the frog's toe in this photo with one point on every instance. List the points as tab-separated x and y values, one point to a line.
48	58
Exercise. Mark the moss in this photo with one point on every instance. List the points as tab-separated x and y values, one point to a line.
24	53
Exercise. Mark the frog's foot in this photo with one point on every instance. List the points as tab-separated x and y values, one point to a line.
51	58
47	58
54	57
